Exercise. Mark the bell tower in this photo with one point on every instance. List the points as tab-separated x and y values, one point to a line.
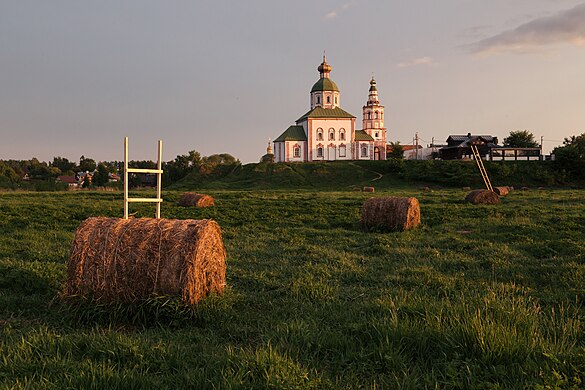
373	121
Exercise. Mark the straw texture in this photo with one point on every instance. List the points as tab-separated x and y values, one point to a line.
197	200
483	197
390	213
130	259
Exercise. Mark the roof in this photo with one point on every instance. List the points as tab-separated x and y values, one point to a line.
293	133
465	141
361	135
405	148
463	138
67	179
320	112
324	84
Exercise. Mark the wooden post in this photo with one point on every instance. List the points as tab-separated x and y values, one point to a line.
125	177
159	178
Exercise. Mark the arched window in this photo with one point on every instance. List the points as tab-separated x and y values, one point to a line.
297	151
376	115
364	151
342	134
331	134
319	151
369	115
318	99
319	134
335	99
342	151
328	99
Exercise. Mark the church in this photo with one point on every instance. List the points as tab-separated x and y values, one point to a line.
327	132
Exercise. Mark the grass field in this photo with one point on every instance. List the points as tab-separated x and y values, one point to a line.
477	297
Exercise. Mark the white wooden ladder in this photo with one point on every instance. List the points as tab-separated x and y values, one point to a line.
481	167
158	200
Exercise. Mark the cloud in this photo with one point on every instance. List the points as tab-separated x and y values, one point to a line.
331	15
564	27
335	13
415	62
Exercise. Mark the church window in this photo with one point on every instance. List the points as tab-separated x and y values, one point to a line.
328	99
318	99
319	134
342	151
364	151
376	115
369	115
331	134
297	151
335	99
342	134
319	152
377	134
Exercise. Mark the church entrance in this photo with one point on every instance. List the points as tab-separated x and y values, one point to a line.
376	153
331	153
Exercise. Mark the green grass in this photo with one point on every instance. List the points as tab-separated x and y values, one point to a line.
477	297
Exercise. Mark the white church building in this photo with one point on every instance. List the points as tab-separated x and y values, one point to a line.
327	132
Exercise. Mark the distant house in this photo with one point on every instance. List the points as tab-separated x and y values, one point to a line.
113	177
459	146
71	181
409	152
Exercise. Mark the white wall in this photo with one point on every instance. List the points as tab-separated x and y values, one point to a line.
330	153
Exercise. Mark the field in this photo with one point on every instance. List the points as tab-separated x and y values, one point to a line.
477	297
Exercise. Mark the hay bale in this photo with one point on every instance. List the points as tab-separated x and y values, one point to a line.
483	197
126	260
197	200
390	213
368	189
501	191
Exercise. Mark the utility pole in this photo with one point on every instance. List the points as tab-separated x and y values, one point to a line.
416	138
541	142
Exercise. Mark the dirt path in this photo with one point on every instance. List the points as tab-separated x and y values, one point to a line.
369	170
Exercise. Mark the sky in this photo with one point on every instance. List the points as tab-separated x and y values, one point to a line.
222	76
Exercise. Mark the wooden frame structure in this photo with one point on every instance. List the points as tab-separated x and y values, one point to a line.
158	200
481	167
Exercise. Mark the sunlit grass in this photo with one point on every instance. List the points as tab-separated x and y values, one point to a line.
476	297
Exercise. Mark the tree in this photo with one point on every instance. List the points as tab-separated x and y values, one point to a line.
86	164
521	139
397	151
100	178
63	164
570	158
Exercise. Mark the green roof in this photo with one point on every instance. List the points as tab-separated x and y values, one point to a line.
320	112
361	135
325	84
293	133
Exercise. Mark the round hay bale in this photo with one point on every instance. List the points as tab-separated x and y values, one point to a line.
368	189
197	200
501	191
390	213
116	259
483	197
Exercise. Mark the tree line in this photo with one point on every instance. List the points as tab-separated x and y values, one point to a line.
27	173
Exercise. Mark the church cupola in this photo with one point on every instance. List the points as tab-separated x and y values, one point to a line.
324	93
373	95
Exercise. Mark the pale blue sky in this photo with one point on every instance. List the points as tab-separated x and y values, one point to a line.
224	76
